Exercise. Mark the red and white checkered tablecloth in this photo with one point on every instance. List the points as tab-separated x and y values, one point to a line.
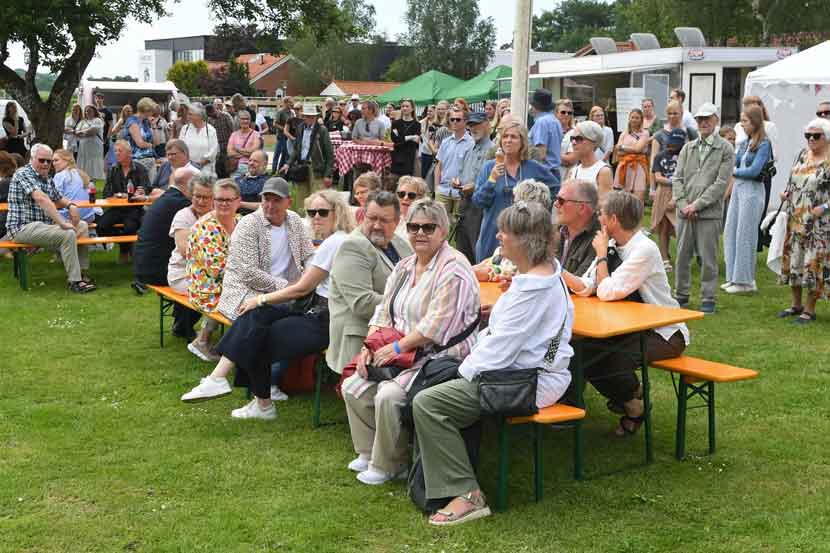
336	138
350	154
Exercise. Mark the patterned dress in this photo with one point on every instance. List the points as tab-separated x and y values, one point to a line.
207	252
806	258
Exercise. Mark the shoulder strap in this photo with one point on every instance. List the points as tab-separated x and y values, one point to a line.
553	347
457	339
394	296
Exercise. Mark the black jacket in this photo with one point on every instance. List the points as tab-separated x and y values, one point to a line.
321	152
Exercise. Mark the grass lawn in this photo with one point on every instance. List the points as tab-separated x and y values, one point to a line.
97	453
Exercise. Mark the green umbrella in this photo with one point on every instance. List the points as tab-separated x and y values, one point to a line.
480	88
423	89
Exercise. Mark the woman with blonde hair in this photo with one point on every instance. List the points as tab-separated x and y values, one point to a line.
410	189
606	148
491	110
632	156
72	183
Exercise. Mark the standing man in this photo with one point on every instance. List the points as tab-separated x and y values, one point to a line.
34	219
546	133
469	222
105	114
354	104
698	187
689	122
223	123
312	149
280	121
450	158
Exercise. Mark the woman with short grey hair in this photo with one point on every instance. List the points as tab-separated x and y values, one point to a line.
527	321
201	139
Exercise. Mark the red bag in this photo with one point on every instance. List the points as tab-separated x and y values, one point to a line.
298	377
374	342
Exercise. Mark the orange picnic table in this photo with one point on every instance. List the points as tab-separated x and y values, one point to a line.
102	203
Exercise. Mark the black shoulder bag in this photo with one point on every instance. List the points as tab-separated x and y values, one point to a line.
614	261
300	170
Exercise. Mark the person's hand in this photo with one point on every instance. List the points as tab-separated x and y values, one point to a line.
74	216
284	168
327	182
671	205
486	310
600	243
139	191
498	169
66	225
363	359
784	195
384	355
248	305
689	211
818	211
120	195
456	183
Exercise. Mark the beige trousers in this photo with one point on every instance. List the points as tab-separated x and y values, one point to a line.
75	258
375	424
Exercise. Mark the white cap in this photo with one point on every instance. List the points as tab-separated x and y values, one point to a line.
355	96
707	110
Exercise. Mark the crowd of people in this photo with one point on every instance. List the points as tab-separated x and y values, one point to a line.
390	285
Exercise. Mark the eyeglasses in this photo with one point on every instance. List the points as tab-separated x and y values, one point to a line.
427	228
455	119
576	139
47	161
566	113
559	200
312	213
814	135
410	195
825	114
202	198
225	200
379	220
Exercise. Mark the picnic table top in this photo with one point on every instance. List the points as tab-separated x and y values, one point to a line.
101	202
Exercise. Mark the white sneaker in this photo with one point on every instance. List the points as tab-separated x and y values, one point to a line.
754	286
725	285
277	394
202	351
208	388
253	411
740	289
374	477
359	464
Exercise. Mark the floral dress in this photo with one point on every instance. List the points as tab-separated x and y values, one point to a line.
207	253
806	257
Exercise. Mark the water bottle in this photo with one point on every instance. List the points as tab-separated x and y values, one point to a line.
92	192
130	188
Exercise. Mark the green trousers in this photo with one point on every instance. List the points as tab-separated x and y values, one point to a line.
303	190
440	413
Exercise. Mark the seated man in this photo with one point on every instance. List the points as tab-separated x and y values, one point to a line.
178	155
251	183
576	214
358	277
33	218
629	267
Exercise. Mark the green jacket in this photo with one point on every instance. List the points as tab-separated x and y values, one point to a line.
580	250
322	153
703	183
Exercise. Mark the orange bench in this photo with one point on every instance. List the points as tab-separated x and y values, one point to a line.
698	378
168	297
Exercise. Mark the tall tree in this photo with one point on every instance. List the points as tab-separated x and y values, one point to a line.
447	35
570	25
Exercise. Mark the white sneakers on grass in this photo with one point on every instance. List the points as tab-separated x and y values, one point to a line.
277	394
208	388
202	351
735	288
360	463
253	411
375	477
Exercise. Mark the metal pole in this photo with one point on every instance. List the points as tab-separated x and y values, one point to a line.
521	59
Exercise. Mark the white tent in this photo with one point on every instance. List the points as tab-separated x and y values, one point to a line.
791	90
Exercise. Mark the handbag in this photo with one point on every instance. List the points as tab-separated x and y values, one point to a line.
512	392
300	170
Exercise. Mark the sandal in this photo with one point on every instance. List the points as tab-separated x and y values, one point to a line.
81	287
479	510
790	312
619	408
805	318
635	423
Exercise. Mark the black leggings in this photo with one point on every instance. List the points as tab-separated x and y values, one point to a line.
267	334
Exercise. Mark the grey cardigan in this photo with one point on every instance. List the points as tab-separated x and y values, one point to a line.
703	183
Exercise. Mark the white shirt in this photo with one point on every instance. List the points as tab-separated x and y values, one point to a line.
522	324
324	258
587	173
769	128
607	143
384	119
202	143
261	123
280	252
641	270
185	218
689	120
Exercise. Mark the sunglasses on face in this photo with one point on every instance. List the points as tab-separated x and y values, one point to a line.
410	195
455	120
566	113
44	160
559	200
312	213
577	139
823	113
427	228
814	135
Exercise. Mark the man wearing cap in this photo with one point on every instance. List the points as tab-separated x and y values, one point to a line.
698	186
584	138
269	249
313	150
469	222
354	104
546	133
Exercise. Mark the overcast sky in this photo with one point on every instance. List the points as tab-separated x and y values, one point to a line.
190	17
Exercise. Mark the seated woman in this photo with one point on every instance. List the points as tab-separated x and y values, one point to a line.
497	267
72	183
363	185
268	331
431	297
526	321
410	189
640	276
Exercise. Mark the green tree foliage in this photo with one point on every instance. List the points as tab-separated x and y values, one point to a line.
570	25
43	81
225	80
446	35
189	76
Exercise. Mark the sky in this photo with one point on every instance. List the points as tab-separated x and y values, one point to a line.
190	17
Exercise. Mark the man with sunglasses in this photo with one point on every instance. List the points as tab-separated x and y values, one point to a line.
546	133
34	219
469	222
576	215
450	159
823	110
698	187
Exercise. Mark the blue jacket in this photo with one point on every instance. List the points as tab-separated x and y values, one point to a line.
755	161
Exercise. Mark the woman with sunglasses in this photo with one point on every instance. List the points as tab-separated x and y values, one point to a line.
584	140
271	329
410	189
431	297
335	119
806	257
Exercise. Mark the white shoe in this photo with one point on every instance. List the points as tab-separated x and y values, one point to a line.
725	285
277	394
754	286
740	289
208	388
374	477
202	351
253	411
359	464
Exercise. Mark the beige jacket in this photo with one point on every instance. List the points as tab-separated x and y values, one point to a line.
248	269
356	284
703	183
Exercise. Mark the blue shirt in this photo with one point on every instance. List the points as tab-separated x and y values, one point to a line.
547	132
451	155
250	186
146	134
71	186
494	197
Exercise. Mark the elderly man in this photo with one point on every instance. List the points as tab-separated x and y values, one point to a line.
178	155
823	110
354	104
269	249
33	217
358	276
449	159
469	222
698	186
224	125
312	150
576	214
251	183
546	133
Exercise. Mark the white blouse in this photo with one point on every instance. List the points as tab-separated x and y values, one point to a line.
202	143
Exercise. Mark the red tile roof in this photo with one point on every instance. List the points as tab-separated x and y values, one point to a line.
257	63
365	88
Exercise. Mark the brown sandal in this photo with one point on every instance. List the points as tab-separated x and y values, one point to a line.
479	510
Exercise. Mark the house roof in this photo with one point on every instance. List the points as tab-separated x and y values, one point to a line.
588	50
260	63
364	88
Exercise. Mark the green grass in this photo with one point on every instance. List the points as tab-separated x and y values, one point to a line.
97	453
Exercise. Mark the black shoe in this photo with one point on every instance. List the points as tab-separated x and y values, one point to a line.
682	302
707	307
139	288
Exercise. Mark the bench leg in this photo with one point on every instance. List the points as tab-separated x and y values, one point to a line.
318	385
646	399
711	408
680	433
501	489
578	472
161	321
537	461
21	265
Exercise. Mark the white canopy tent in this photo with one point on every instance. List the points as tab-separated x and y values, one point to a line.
791	90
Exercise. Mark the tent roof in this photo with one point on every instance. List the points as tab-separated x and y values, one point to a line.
423	89
483	87
807	67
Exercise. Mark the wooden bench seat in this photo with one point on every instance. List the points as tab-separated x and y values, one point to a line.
692	371
171	296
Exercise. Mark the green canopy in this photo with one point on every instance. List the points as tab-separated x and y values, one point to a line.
423	89
483	87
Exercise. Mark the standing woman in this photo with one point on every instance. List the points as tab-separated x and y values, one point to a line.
182	118
16	131
201	139
632	171
69	127
428	128
406	136
806	259
140	136
746	206
161	131
90	137
491	111
606	148
651	122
